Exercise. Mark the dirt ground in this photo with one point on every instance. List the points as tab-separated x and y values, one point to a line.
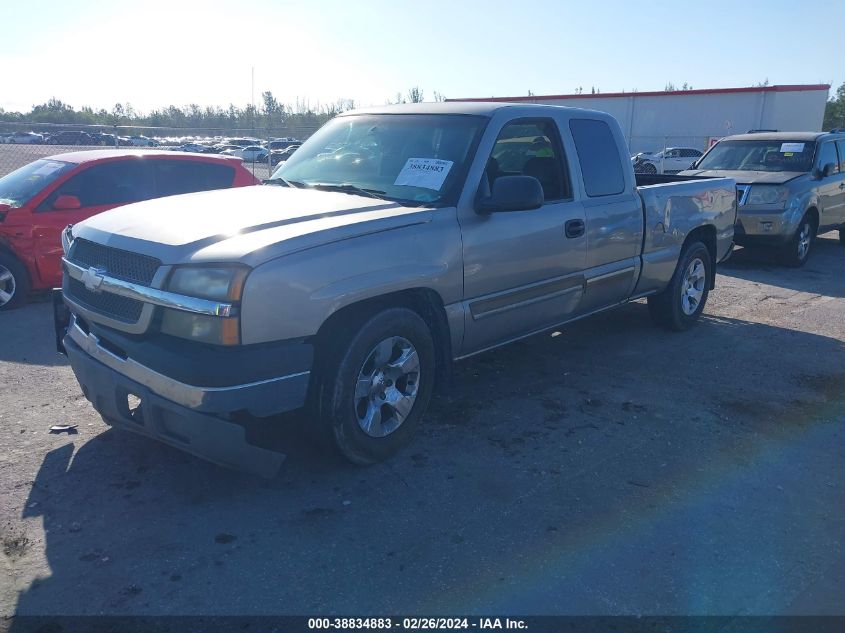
610	468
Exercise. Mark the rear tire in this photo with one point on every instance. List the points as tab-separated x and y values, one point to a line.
683	300
14	283
842	236
374	389
796	252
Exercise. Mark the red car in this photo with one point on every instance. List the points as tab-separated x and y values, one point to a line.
39	200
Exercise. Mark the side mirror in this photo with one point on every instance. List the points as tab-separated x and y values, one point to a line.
513	193
66	203
826	170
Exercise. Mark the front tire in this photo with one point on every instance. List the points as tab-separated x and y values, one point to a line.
683	301
14	283
375	388
796	252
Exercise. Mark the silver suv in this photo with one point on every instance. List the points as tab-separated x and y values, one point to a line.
791	187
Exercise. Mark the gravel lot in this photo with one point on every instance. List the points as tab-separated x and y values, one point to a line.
610	469
15	156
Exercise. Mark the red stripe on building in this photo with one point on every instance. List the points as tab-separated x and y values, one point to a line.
657	93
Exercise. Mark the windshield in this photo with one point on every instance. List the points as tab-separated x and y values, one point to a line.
22	184
760	156
413	158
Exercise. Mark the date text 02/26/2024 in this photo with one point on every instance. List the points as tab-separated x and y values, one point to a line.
416	624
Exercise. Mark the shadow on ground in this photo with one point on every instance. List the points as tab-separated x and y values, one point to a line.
28	345
761	266
611	468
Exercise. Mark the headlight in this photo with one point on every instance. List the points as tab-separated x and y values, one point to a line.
767	194
217	283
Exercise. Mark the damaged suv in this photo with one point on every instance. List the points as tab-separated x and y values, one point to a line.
791	187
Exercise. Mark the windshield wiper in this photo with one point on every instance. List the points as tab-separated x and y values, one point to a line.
284	183
348	188
343	188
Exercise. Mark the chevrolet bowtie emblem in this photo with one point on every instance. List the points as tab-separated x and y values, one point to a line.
92	278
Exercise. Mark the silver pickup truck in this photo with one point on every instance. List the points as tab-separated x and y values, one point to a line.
791	187
394	241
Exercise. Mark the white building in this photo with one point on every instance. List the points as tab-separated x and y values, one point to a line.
695	118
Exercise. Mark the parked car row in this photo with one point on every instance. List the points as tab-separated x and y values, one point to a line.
92	138
23	138
249	149
77	137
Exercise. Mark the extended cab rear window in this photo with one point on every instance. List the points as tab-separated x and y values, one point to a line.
598	155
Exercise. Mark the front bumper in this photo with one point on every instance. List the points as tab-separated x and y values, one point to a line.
191	418
765	227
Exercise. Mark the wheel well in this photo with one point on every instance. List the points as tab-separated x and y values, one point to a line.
707	236
6	250
814	216
424	301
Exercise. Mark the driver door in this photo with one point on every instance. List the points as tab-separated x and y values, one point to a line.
523	270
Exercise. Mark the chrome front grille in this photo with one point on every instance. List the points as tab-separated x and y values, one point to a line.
116	262
106	303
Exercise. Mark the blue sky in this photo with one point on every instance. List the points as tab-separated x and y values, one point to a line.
160	52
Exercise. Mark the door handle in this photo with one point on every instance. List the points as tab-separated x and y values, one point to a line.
574	228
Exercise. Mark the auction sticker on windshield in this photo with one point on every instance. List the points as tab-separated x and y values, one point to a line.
428	173
792	147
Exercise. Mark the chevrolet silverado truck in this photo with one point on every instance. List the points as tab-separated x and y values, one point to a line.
791	187
393	242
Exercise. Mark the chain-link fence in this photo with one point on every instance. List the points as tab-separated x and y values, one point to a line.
22	143
667	154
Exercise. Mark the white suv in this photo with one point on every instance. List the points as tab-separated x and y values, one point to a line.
669	161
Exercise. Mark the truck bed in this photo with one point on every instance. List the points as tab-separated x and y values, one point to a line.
673	207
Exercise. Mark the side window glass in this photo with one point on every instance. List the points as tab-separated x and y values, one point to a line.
840	145
827	154
530	148
113	183
598	155
184	176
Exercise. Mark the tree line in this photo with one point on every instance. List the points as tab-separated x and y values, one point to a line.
834	112
268	114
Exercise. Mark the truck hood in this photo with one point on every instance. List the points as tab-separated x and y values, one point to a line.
746	177
246	224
